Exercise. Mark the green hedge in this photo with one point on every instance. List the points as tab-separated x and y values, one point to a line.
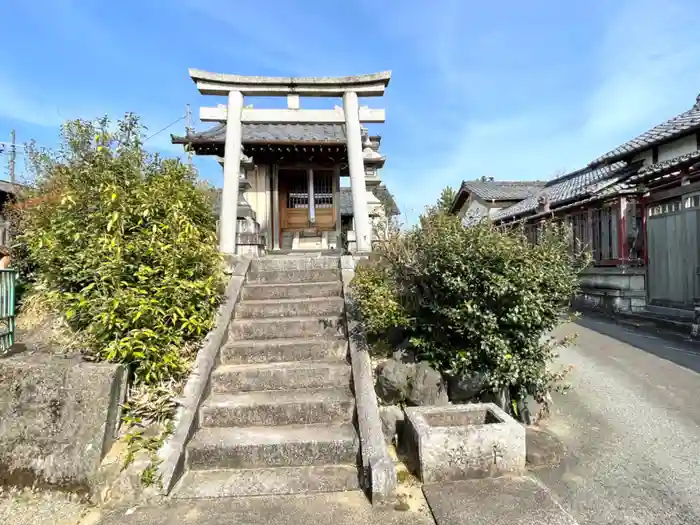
123	243
473	300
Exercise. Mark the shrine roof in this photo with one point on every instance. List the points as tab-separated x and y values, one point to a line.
286	133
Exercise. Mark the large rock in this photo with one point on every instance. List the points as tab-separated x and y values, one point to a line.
392	421
58	418
415	384
427	387
394	381
500	398
466	387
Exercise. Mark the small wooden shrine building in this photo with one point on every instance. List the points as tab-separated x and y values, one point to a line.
283	167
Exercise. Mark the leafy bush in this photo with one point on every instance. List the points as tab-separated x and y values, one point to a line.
124	244
474	300
377	300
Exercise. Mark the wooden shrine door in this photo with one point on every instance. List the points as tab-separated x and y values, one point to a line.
306	200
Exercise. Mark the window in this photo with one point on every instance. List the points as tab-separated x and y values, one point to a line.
323	189
595	230
604	242
531	233
580	230
635	233
298	195
673	206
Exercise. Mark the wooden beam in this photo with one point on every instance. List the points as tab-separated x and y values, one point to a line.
280	116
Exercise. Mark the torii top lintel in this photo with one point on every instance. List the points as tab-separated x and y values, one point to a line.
371	85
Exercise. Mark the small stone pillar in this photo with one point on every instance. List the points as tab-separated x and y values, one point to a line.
249	240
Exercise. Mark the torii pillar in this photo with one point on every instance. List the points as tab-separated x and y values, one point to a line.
235	87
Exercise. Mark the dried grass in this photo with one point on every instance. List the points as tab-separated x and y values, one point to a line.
41	328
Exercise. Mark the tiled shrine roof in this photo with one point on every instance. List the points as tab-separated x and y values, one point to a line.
270	133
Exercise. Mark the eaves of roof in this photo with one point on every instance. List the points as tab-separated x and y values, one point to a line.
676	127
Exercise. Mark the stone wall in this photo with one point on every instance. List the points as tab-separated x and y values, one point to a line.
613	289
58	419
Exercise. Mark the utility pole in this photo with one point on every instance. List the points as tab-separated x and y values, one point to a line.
188	130
13	155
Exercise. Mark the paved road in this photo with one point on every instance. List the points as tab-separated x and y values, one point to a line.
631	424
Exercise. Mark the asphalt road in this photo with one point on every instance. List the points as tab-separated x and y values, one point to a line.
631	425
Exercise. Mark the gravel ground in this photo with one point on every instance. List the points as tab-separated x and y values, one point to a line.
25	507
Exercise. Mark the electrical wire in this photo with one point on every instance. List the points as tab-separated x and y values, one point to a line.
166	127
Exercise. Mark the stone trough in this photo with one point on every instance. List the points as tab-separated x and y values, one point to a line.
458	442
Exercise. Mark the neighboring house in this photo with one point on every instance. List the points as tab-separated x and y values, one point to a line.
637	209
283	165
484	197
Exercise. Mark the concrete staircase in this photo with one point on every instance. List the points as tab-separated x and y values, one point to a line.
278	419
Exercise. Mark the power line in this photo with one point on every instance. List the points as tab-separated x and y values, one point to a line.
166	127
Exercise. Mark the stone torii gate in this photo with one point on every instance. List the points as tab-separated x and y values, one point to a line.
235	87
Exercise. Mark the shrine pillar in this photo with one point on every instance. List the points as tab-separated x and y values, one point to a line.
232	171
356	164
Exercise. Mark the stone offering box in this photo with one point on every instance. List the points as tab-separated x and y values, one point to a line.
457	442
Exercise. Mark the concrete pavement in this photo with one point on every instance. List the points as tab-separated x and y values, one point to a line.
343	508
631	425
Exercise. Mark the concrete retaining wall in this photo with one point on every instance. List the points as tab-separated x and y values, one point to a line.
379	472
612	289
58	419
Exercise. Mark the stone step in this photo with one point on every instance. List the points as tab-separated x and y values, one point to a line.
267	481
309	307
284	446
228	379
285	263
259	292
293	276
287	328
284	350
278	407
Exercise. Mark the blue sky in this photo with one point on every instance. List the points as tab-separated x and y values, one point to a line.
510	89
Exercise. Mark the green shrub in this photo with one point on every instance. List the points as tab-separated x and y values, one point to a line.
124	244
374	293
479	299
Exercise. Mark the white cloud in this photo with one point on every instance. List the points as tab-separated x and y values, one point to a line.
16	103
645	71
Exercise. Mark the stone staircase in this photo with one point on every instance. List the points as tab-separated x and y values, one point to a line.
279	416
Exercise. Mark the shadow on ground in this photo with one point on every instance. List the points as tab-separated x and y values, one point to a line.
669	346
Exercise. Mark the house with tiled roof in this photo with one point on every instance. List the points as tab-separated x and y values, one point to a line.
637	210
485	197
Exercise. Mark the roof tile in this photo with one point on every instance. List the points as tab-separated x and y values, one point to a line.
575	184
502	190
286	132
679	125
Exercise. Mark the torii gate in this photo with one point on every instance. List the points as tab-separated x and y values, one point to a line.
234	113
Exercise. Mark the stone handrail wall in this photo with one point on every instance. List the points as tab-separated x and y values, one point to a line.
379	472
172	453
